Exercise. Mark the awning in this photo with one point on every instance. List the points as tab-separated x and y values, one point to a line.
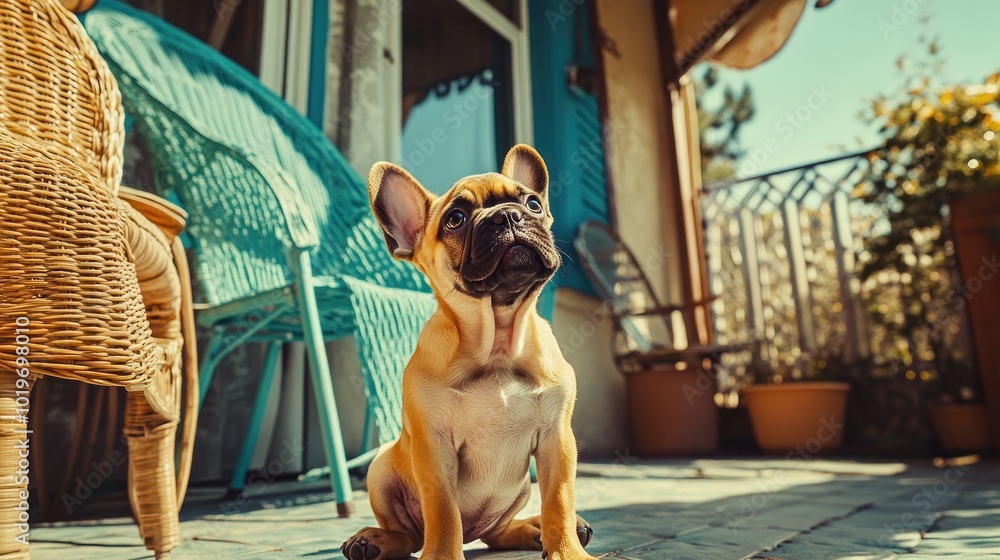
737	33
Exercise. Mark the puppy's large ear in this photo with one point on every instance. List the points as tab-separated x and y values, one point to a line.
524	165
400	204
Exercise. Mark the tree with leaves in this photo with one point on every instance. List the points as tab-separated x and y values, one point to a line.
719	123
940	142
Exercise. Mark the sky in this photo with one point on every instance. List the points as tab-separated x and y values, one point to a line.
808	96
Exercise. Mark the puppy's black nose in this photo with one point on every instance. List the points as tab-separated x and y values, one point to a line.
510	215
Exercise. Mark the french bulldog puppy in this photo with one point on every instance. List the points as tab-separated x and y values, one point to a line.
487	387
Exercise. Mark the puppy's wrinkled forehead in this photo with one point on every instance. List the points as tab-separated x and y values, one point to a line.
482	191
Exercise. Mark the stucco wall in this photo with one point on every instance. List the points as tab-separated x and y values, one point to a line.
640	141
584	328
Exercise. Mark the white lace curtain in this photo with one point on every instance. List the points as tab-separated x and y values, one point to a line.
362	115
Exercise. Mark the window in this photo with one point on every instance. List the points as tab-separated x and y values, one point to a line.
466	91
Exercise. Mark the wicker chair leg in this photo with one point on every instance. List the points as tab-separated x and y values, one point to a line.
151	478
192	390
212	358
319	370
13	480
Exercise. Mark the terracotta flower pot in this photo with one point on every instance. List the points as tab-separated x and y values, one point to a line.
803	417
961	427
672	413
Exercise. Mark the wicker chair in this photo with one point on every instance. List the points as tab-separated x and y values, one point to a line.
628	295
92	290
285	244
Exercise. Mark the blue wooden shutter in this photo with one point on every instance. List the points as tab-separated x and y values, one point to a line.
568	130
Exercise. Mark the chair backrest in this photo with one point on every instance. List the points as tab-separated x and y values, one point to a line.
620	280
195	109
57	91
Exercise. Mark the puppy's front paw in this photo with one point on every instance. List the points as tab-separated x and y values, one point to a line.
374	543
362	546
585	533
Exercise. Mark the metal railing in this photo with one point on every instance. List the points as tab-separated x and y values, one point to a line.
783	252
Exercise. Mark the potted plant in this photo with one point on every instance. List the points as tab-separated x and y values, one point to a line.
672	412
799	409
940	145
959	417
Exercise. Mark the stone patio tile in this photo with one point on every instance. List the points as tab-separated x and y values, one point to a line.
677	550
199	550
605	542
871	529
50	551
750	540
647	520
94	536
875	540
983	495
968	517
889	523
979	540
649	511
799	516
485	554
837	494
962	556
802	551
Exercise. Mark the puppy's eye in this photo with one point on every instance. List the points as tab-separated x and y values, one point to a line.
456	219
534	205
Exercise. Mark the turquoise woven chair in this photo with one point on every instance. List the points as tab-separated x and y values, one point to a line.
284	243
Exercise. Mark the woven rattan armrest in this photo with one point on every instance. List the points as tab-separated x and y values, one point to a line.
169	217
165	282
78	6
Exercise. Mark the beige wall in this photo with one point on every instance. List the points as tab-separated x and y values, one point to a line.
640	142
584	329
282	428
641	150
348	386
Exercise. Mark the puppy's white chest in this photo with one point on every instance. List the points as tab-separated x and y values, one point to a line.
491	405
497	414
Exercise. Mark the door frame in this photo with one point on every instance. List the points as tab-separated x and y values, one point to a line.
520	55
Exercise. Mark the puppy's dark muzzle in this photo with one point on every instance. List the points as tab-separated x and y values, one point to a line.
509	239
509	253
510	216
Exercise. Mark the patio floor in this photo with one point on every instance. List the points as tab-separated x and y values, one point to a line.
642	509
